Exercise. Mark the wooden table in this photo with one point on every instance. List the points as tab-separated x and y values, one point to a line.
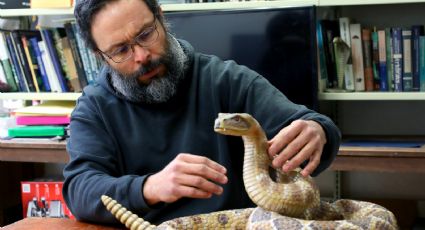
378	159
39	223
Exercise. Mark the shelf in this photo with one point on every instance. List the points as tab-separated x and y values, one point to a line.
26	150
237	5
176	7
380	96
29	12
41	96
364	2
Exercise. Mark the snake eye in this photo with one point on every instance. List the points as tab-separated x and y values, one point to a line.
237	118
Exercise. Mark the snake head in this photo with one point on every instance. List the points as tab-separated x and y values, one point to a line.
235	124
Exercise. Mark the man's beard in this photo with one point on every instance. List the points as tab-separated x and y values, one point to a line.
160	88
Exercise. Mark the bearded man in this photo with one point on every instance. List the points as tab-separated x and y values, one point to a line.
143	133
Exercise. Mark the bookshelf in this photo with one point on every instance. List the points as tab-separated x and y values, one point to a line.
41	96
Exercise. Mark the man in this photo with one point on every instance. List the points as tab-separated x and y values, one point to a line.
143	134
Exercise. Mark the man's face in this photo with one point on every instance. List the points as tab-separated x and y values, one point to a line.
152	72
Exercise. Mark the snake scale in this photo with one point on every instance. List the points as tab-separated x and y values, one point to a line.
289	201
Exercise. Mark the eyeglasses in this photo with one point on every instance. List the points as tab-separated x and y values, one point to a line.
122	53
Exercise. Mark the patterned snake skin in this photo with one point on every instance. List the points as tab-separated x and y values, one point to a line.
289	201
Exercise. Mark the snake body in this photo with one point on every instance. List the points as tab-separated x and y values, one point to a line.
290	201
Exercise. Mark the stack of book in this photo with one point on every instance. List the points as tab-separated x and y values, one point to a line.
356	57
46	60
48	119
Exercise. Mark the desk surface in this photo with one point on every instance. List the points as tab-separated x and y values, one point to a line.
39	223
378	159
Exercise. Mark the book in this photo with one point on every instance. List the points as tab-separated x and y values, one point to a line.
329	32
30	64
36	131
397	58
344	30
51	4
42	120
83	50
72	69
50	71
375	60
41	67
51	50
47	108
367	59
22	57
22	83
422	62
389	53
407	77
76	55
417	31
7	67
382	57
357	57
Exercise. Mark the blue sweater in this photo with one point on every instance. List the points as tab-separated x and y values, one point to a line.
115	144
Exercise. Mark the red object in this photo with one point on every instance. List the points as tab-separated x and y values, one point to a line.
35	194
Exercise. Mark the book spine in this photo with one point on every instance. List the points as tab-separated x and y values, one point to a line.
422	62
41	67
23	62
47	36
417	31
382	57
23	87
367	59
375	60
5	61
357	56
390	63
50	71
30	64
407	60
84	55
397	59
344	30
76	55
323	74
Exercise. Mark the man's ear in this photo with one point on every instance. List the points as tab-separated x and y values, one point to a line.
161	13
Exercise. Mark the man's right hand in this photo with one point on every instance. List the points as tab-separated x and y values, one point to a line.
186	176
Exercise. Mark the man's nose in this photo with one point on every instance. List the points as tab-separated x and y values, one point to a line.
141	54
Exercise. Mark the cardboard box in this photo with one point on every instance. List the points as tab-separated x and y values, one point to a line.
44	199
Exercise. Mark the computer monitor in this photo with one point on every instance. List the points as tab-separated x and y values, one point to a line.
278	43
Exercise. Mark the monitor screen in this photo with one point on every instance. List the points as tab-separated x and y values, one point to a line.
278	43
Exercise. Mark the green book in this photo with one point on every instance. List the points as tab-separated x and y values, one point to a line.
36	131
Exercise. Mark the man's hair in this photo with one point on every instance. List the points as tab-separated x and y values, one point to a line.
85	10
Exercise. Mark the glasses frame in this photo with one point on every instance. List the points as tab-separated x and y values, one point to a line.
136	42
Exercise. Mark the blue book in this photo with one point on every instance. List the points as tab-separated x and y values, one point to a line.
322	56
417	31
47	37
397	58
41	67
422	62
22	85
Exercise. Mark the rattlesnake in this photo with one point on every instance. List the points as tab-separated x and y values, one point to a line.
290	201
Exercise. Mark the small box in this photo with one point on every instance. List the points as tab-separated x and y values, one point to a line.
44	199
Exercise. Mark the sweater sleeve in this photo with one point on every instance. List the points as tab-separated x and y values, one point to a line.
94	168
274	111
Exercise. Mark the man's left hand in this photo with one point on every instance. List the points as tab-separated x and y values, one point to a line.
300	141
